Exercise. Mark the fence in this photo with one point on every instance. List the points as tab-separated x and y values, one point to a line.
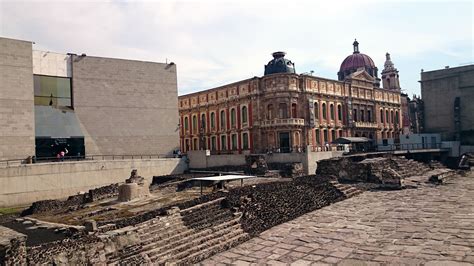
30	160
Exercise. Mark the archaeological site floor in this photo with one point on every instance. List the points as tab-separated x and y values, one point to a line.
430	225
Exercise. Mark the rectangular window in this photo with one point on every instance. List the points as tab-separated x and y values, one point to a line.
234	141
213	143
245	141
52	91
223	143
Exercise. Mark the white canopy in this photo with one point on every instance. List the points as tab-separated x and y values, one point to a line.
222	177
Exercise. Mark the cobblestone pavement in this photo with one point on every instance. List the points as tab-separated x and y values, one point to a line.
428	225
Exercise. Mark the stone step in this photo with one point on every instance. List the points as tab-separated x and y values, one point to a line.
202	206
212	250
200	245
167	243
183	232
179	223
192	242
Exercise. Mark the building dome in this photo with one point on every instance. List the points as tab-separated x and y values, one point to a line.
355	61
279	64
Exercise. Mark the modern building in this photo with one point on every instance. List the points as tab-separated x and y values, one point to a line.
285	111
88	105
448	97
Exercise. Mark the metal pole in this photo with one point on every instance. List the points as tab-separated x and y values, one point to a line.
200	182
241	182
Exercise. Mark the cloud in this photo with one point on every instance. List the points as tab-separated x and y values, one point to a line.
218	42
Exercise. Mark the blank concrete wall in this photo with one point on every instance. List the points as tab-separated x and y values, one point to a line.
17	124
126	107
24	184
198	159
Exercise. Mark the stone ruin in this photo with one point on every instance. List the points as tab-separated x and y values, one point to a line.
256	164
135	187
387	172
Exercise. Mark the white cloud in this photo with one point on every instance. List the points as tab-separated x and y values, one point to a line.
217	42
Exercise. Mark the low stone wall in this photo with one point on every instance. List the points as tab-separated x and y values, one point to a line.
25	184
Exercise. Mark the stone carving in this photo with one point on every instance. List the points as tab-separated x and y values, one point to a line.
135	187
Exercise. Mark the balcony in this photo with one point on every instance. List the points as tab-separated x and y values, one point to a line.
282	122
365	125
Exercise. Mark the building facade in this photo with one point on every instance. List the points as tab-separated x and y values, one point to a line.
448	96
287	112
88	105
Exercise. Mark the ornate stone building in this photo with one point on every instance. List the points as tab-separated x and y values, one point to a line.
284	111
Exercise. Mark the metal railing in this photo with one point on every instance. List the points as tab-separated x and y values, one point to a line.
410	146
67	158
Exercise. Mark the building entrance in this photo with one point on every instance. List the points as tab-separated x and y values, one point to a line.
284	141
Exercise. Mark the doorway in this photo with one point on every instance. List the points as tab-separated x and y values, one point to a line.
284	141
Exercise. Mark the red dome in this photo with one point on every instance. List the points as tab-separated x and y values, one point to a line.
355	61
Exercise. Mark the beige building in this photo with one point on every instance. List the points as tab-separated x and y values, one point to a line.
448	97
88	105
287	112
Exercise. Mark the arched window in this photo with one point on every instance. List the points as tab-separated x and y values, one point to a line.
324	110
244	115
354	113
186	123
318	140
283	109
369	116
339	112
397	118
213	120
362	116
195	123
381	116
232	117
392	117
203	122
316	110
331	111
333	135
387	118
222	120
270	111
293	110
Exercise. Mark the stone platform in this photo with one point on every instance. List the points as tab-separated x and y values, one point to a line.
430	225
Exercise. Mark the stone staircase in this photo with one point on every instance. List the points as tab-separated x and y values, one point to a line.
348	190
408	167
183	237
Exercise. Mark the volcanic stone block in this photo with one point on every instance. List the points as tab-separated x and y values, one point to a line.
12	247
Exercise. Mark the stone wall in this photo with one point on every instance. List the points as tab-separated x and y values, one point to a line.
12	247
17	124
25	184
439	88
126	107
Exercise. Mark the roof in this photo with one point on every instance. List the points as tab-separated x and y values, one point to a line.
222	178
349	140
355	61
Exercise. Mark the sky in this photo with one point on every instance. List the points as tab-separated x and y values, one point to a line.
215	43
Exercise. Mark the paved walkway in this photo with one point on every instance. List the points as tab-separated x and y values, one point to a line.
428	225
